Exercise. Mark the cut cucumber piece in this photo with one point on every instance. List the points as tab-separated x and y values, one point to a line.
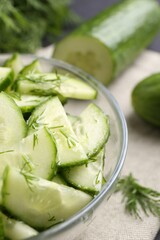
6	77
52	115
32	156
41	150
14	159
92	129
15	63
105	45
16	230
12	125
43	203
88	177
27	102
53	84
33	67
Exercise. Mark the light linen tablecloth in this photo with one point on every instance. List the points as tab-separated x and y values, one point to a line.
143	159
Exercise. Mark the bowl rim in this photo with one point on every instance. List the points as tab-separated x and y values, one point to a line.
55	230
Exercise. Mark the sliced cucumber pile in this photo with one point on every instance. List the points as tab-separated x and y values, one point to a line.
52	162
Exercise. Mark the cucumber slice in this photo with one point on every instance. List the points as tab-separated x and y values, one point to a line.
16	230
53	84
31	155
43	203
33	67
14	159
92	129
6	77
15	63
105	45
88	177
52	115
41	150
27	102
12	125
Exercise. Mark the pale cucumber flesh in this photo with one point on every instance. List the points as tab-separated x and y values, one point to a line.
88	54
12	125
54	84
44	202
92	129
52	115
88	177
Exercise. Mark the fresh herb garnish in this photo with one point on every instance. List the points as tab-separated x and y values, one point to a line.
29	180
137	197
72	142
35	139
7	151
52	218
25	24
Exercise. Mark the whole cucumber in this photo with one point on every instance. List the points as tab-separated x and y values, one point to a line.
105	45
146	99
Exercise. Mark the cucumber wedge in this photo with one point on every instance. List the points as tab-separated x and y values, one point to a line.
15	63
6	77
33	67
12	125
54	84
92	129
27	102
40	149
43	203
16	230
88	177
105	45
14	159
51	114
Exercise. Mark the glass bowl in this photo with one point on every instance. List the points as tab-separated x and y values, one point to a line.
115	149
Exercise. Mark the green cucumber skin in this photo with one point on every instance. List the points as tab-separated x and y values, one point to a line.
33	67
125	29
15	63
146	99
8	82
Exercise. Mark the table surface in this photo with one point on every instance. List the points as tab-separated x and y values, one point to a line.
89	8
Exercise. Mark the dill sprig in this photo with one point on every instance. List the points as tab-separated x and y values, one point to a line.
138	198
26	24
